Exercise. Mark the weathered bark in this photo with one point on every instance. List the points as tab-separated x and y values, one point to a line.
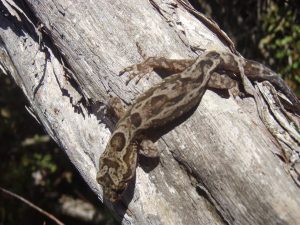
218	166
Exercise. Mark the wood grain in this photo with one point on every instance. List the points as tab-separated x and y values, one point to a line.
217	166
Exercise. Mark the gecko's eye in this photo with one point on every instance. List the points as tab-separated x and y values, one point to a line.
213	54
118	191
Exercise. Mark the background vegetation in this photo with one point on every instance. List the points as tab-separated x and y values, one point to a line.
33	166
267	31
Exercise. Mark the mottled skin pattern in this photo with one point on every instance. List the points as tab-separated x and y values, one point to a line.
166	101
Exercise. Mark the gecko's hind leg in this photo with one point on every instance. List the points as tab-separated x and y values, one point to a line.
222	81
156	63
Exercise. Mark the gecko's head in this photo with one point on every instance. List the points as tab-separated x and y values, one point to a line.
111	191
112	194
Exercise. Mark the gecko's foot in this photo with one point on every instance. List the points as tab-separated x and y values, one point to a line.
137	71
148	149
236	92
116	107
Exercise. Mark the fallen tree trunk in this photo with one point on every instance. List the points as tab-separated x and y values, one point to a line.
218	166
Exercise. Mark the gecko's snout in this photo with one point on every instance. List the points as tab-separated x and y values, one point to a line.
113	195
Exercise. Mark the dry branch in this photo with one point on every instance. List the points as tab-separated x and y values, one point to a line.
219	166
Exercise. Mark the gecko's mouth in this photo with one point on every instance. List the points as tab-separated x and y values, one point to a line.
114	194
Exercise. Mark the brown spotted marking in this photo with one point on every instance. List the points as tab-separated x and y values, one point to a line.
118	141
136	119
157	102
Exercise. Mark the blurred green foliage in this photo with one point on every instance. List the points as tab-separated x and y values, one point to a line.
264	30
280	41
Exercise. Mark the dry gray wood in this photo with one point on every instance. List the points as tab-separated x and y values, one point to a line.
219	166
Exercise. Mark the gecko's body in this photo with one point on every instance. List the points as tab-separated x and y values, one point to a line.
166	101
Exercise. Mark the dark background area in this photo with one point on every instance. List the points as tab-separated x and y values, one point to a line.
267	31
33	166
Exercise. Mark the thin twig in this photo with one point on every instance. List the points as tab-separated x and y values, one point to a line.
49	215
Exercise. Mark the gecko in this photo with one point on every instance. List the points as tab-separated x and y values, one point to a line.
175	95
